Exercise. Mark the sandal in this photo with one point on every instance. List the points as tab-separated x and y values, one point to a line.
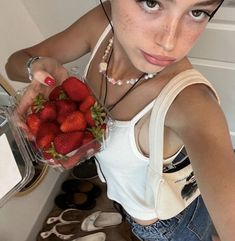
80	201
74	185
99	220
67	216
62	231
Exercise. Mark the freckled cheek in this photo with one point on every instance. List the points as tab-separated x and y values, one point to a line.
189	41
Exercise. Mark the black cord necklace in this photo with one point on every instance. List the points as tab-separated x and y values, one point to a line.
106	79
125	94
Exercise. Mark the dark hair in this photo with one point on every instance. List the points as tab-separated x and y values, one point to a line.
212	15
110	22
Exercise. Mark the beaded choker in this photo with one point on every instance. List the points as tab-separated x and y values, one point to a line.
103	66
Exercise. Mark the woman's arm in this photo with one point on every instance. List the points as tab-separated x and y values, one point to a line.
199	121
64	47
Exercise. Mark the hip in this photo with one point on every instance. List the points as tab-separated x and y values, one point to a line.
192	224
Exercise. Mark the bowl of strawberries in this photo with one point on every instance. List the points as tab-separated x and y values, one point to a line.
68	126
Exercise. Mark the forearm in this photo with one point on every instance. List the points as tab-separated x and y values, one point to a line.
16	66
220	200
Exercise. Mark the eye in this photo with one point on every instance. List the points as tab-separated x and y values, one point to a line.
149	5
200	15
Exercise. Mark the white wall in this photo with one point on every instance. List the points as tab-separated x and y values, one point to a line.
214	56
55	15
17	30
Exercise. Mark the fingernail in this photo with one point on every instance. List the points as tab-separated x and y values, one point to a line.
49	81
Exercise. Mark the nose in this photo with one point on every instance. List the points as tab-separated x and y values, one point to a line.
166	35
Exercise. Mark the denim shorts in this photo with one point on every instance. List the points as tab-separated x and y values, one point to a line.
192	224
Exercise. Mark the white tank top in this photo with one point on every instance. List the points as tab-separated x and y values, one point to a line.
122	166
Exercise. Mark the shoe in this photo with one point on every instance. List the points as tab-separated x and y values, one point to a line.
86	170
99	220
66	216
100	236
74	185
80	201
62	231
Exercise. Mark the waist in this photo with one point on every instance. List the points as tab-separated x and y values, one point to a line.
145	222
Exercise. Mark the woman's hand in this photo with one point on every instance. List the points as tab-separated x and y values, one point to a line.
48	71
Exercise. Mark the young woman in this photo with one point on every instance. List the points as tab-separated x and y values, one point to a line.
138	47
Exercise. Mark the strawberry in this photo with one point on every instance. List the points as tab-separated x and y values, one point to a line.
48	111
46	134
38	103
67	142
33	122
64	108
45	109
95	115
88	137
57	93
90	145
87	103
75	89
51	154
74	122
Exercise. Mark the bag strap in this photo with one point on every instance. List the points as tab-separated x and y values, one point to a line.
160	108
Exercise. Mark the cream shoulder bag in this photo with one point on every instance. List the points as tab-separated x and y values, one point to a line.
170	188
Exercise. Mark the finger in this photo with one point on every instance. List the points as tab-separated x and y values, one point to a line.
44	78
25	102
20	122
61	74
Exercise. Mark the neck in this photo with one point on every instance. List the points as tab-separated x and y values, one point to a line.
120	66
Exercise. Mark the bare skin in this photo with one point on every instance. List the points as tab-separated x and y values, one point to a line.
195	118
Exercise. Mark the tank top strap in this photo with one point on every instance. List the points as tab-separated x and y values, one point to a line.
144	111
100	40
162	105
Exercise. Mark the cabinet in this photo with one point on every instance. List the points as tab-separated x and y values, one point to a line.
214	57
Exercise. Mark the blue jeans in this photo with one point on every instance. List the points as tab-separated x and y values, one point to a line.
192	224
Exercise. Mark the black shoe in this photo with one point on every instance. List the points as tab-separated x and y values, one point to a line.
86	170
80	201
81	186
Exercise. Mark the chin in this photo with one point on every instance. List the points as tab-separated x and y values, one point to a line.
151	69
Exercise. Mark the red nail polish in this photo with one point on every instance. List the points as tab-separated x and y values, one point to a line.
49	81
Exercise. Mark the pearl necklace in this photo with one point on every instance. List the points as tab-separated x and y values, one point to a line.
103	66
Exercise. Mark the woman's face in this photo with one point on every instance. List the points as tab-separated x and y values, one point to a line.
155	34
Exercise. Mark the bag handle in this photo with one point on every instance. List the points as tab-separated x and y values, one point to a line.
160	108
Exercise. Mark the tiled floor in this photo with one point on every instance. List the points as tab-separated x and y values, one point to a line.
120	232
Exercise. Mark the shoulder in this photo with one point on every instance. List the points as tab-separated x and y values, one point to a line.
95	21
195	110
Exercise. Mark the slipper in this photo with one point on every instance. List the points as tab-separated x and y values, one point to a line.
80	201
100	236
74	185
99	220
67	216
62	231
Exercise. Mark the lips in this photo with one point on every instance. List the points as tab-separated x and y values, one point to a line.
158	60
